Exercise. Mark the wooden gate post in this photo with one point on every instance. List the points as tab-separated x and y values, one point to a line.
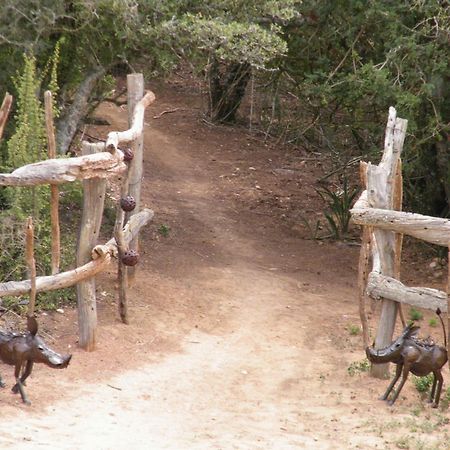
93	203
380	194
135	89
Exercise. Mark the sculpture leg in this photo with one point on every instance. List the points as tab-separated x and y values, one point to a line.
440	381
433	389
18	387
398	371
22	392
402	383
25	375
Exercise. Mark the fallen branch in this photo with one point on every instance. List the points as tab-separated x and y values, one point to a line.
169	111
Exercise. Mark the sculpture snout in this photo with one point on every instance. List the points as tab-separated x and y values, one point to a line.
59	362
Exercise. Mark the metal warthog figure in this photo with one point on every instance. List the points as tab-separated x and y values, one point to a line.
410	354
22	350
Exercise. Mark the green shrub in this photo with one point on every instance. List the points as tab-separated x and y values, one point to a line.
358	367
415	314
423	384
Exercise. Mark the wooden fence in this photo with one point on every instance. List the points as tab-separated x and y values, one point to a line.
378	210
98	163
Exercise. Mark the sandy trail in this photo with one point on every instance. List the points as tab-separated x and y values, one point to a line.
238	340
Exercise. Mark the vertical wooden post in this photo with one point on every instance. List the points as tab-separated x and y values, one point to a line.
135	89
363	265
397	204
93	203
31	263
122	270
4	112
380	193
54	190
448	303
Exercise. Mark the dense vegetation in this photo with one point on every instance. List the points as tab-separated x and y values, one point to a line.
318	73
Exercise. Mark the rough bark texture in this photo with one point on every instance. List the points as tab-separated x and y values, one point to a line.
67	126
135	84
227	89
57	171
380	189
54	190
443	165
380	286
93	201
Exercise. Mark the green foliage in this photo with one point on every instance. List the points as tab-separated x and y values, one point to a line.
338	203
27	145
28	142
229	41
415	314
350	61
423	384
164	230
432	322
358	367
226	40
354	330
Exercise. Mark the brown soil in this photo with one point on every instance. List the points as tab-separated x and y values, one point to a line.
240	323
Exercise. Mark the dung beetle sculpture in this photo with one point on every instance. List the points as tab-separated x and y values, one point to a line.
410	354
130	257
128	203
22	350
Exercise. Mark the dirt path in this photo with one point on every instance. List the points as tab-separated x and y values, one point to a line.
240	328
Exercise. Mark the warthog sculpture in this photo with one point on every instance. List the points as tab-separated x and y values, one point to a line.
22	350
410	354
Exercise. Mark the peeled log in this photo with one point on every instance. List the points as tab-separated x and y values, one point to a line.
116	137
57	171
380	286
431	229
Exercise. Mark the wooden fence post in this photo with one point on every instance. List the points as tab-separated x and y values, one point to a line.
363	264
448	302
380	194
4	112
31	263
135	89
54	190
93	203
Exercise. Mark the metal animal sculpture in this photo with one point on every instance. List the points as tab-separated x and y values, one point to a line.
410	354
22	350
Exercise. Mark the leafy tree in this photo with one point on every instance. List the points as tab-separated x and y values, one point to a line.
93	36
351	60
227	40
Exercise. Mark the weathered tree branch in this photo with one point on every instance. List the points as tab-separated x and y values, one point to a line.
380	286
115	137
102	255
431	229
57	171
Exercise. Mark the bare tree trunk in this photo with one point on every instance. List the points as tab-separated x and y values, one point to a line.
443	165
67	126
227	89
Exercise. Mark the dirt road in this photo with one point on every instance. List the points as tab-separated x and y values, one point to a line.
240	329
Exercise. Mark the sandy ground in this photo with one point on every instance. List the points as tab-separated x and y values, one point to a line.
239	335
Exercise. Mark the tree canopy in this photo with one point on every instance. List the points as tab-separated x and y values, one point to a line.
329	69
